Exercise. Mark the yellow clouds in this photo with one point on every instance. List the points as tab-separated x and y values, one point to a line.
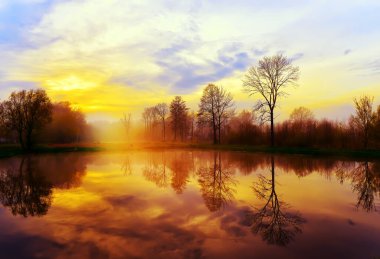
69	83
95	95
110	57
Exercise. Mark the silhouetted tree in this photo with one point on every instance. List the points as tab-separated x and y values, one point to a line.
3	127
68	125
268	79
162	112
275	225
364	117
178	115
27	112
215	108
243	129
376	127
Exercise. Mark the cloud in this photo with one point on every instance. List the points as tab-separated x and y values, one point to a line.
347	51
187	74
129	48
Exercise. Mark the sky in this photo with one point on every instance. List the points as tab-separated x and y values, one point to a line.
109	57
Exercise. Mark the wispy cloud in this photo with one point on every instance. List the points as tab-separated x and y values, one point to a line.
176	47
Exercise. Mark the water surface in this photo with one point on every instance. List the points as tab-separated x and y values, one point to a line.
193	204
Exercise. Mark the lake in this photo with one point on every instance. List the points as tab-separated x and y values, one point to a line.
188	204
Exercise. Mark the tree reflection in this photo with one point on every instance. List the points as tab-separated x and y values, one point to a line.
180	165
216	184
126	166
365	180
275	224
24	190
156	172
174	168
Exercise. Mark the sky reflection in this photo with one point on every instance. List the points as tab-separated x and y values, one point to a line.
193	204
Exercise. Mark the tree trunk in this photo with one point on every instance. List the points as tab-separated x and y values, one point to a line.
21	139
214	130
271	128
29	141
163	124
272	169
365	139
219	134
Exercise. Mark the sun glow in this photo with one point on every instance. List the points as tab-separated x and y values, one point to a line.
69	83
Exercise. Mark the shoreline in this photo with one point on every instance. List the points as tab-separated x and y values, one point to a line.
7	151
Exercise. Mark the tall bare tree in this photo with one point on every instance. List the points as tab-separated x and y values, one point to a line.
126	121
178	114
268	79
162	111
150	118
215	108
364	117
26	112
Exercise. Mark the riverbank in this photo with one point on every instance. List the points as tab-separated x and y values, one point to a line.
14	150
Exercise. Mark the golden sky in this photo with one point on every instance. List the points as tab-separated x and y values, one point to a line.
116	56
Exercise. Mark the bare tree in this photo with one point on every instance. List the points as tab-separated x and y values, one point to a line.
364	117
268	79
215	108
126	121
26	112
178	114
162	111
150	118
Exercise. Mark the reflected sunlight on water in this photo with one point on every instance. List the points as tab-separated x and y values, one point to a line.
193	204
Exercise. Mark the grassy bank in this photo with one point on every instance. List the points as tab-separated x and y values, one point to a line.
13	150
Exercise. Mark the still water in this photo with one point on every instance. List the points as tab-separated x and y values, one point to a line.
188	204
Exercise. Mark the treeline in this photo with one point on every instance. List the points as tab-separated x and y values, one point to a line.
216	120
225	126
29	117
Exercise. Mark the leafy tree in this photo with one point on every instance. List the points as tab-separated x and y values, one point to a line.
26	112
68	125
178	114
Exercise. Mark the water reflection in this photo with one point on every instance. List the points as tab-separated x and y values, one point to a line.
163	169
273	222
26	183
107	204
365	181
216	183
24	190
156	171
